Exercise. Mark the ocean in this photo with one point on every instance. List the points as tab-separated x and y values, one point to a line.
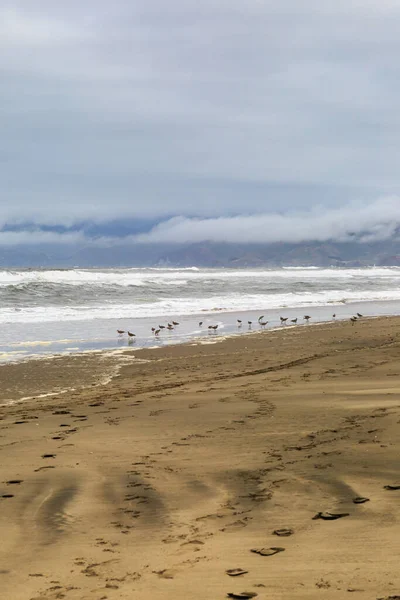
72	310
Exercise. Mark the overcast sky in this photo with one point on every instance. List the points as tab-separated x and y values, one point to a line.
236	120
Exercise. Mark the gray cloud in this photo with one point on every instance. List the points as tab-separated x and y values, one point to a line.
211	109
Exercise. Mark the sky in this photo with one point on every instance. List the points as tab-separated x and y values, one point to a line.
180	121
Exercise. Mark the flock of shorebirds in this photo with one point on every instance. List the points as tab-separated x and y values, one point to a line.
213	328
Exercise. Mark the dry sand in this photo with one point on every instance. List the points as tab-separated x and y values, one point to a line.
156	483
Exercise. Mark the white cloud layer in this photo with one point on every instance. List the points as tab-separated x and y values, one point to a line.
364	222
368	222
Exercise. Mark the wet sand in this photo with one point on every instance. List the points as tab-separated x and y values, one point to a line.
155	482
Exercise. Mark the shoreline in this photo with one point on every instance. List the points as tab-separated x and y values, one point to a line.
24	351
159	481
116	359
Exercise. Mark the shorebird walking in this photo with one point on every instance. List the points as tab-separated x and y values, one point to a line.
157	331
353	320
249	323
175	323
200	323
120	331
263	323
293	320
358	315
239	322
153	329
283	320
161	326
334	316
307	317
131	335
213	328
170	327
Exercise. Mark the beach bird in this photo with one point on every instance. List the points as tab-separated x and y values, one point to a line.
161	326
334	315
175	323
213	327
307	317
263	323
120	331
358	315
353	320
157	331
283	319
239	322
170	327
249	323
200	323
153	329
293	320
260	318
131	335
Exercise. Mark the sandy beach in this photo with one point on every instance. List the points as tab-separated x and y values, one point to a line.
152	474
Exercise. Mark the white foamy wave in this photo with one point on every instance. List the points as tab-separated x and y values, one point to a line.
192	305
145	277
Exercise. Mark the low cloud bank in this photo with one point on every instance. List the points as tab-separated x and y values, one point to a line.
366	222
38	237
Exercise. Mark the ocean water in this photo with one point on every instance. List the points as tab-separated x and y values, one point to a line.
51	311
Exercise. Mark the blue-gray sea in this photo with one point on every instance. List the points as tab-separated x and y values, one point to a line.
70	310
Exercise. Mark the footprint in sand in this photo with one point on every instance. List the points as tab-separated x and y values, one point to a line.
283	532
235	572
328	516
267	551
42	468
165	574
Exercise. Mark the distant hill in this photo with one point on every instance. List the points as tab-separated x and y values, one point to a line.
346	254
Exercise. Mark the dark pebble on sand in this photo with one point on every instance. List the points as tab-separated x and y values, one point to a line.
48	455
14	481
360	500
7	496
